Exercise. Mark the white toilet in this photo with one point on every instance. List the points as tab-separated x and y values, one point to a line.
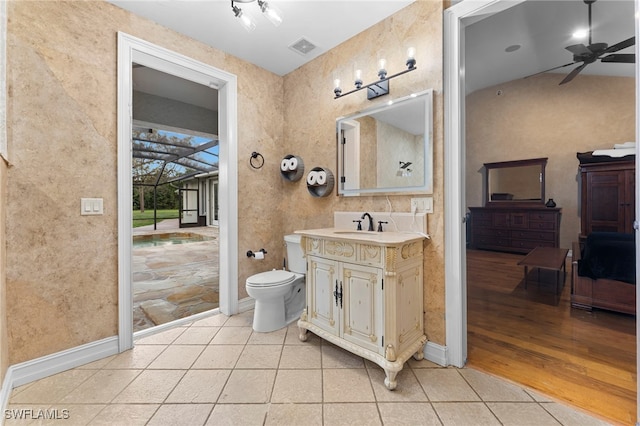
279	294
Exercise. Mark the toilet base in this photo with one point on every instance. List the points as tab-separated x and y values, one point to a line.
268	315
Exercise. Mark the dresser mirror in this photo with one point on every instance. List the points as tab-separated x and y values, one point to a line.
515	182
387	149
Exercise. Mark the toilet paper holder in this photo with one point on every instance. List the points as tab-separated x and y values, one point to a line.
252	254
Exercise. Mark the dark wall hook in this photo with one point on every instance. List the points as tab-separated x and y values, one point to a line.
256	158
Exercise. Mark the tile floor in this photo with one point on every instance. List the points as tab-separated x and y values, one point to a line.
217	371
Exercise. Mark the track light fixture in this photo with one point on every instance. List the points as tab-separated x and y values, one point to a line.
270	12
377	88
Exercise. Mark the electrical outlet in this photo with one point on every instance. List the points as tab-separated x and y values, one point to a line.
422	205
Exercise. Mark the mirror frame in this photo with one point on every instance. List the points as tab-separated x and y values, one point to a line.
427	187
542	162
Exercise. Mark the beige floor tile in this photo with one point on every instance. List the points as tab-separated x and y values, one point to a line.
346	385
125	415
304	357
538	396
248	386
150	387
493	389
18	414
361	414
181	414
218	356
232	336
177	357
522	414
199	386
197	336
163	338
445	384
294	415
260	356
336	357
138	357
424	363
53	388
97	365
465	414
36	414
212	321
570	417
78	414
238	414
408	413
244	319
102	387
408	388
295	386
272	338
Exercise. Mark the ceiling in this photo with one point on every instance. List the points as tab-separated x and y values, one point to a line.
543	29
324	23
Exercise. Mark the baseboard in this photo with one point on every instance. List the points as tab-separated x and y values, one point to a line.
436	353
39	368
172	324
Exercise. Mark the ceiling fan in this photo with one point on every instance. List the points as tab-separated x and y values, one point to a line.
585	55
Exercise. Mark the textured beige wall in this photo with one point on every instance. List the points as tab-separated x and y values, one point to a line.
535	118
62	283
310	113
4	341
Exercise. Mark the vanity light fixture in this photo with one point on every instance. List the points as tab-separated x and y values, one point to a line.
380	87
270	12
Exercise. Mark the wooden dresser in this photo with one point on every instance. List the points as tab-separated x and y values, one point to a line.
514	229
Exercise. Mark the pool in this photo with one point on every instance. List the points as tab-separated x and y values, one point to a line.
155	240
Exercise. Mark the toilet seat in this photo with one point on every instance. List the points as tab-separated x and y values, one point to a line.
271	278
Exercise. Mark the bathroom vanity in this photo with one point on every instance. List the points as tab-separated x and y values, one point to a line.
365	294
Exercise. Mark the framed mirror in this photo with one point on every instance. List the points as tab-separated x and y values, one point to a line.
511	182
387	149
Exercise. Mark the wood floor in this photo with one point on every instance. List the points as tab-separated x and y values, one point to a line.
533	337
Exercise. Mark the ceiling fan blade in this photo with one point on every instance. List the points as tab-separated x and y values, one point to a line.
619	46
625	58
579	49
551	69
573	74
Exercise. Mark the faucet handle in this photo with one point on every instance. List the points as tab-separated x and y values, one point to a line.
380	225
359	224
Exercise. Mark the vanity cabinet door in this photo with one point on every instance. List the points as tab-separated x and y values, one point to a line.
323	287
363	304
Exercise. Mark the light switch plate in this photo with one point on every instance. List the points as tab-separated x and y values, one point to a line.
91	206
422	205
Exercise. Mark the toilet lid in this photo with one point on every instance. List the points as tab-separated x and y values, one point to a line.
271	278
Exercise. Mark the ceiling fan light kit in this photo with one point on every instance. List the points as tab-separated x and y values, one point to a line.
585	55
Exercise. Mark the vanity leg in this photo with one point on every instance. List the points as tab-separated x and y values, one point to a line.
302	334
390	381
419	356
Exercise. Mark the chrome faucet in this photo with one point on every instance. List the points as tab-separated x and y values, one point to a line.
370	220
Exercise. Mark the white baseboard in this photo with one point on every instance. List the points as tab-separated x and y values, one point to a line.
39	368
436	353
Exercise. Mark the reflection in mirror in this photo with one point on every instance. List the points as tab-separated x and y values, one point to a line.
387	149
515	181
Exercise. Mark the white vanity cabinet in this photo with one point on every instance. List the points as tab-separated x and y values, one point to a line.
366	296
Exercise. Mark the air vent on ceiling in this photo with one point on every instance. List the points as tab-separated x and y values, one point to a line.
302	46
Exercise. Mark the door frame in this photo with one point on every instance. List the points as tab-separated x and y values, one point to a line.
454	165
130	50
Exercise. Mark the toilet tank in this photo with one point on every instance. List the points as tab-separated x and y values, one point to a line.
295	259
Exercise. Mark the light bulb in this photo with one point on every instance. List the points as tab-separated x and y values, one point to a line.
271	12
245	20
382	68
357	76
336	87
411	57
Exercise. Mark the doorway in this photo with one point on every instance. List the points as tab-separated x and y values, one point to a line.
133	50
455	206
